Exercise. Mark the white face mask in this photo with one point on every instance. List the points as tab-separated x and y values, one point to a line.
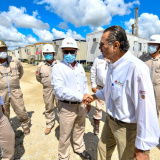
152	49
3	55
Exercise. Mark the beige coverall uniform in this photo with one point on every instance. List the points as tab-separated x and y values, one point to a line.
43	75
154	67
7	136
10	73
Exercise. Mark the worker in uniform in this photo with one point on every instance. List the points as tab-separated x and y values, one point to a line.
7	136
131	119
98	77
43	75
152	60
11	71
70	85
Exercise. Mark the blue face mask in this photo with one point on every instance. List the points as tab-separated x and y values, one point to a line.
48	57
152	49
69	58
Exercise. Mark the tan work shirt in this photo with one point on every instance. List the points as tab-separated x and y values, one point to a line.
154	67
43	73
10	73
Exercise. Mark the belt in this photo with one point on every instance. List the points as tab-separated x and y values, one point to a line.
99	86
69	102
115	119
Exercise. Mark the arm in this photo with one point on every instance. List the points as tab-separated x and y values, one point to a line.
86	89
20	69
38	75
145	110
93	74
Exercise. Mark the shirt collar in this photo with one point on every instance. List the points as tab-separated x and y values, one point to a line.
49	63
148	56
122	59
68	64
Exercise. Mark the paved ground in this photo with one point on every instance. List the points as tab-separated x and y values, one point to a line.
36	145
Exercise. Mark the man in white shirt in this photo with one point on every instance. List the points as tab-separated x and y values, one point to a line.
70	84
98	77
132	122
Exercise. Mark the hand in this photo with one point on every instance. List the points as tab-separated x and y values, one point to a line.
94	90
87	99
88	107
139	155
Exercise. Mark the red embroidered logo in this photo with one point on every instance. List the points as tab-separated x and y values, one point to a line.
36	72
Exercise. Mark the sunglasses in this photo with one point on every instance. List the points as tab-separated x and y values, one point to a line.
69	51
102	44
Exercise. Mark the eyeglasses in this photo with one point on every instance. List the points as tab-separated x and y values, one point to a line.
46	53
69	51
101	44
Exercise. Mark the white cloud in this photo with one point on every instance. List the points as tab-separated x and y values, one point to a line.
31	40
91	12
149	24
63	25
69	33
10	34
19	18
44	35
94	29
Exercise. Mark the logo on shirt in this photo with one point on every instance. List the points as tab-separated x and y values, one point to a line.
119	83
36	72
14	68
142	94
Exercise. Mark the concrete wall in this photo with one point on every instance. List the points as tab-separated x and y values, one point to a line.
138	45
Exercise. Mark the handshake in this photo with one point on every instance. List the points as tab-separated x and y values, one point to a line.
88	98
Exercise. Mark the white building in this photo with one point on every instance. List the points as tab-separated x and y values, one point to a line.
138	45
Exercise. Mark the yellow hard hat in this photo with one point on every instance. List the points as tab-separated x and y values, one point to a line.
2	44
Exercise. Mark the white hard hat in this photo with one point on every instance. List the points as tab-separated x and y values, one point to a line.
69	43
154	39
48	48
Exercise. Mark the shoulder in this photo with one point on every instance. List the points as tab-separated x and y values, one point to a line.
40	64
13	59
59	65
137	64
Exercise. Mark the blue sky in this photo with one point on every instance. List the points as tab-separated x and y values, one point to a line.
24	22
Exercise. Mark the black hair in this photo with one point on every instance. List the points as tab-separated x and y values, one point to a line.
117	33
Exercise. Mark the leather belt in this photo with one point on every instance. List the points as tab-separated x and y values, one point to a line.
115	119
69	102
99	86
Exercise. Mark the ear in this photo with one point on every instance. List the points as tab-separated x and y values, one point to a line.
116	45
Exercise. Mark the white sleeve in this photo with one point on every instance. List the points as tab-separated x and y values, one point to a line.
146	113
100	94
86	89
1	100
93	74
62	92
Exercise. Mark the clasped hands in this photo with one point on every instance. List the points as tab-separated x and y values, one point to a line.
87	99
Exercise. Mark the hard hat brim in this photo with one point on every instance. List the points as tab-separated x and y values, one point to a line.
156	42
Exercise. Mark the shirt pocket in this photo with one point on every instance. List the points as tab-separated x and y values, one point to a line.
116	96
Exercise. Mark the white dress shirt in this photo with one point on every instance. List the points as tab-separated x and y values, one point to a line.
69	84
99	71
129	97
